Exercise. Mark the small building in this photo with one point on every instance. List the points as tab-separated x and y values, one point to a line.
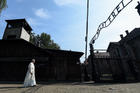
16	52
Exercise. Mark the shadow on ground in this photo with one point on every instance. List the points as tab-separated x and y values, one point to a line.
89	83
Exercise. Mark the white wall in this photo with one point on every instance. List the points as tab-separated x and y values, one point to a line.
24	35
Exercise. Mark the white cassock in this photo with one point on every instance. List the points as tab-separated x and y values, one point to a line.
30	79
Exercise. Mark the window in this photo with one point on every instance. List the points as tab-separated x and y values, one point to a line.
9	26
11	37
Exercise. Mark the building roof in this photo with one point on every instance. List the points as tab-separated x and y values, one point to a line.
23	21
111	45
130	36
101	55
65	52
133	34
22	48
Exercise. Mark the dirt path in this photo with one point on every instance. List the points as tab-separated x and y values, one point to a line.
72	88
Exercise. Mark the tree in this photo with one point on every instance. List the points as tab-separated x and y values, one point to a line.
3	5
44	41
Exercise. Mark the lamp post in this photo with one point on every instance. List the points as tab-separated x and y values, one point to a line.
86	38
138	8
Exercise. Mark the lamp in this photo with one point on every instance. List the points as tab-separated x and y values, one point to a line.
138	8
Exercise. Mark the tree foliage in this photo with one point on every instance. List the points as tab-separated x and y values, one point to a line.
44	41
3	5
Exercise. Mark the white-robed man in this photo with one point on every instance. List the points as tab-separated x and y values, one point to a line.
30	75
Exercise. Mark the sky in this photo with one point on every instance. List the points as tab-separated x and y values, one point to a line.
65	20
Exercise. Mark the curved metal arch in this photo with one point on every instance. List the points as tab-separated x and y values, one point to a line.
113	15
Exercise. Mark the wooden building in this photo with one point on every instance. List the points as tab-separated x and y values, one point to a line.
120	63
16	53
128	48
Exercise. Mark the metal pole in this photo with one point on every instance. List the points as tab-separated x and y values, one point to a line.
92	63
86	38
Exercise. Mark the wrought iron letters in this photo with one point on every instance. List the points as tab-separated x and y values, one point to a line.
111	17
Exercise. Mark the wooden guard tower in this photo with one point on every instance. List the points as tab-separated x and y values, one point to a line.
17	29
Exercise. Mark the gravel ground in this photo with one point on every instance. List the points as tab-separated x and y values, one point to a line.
72	88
